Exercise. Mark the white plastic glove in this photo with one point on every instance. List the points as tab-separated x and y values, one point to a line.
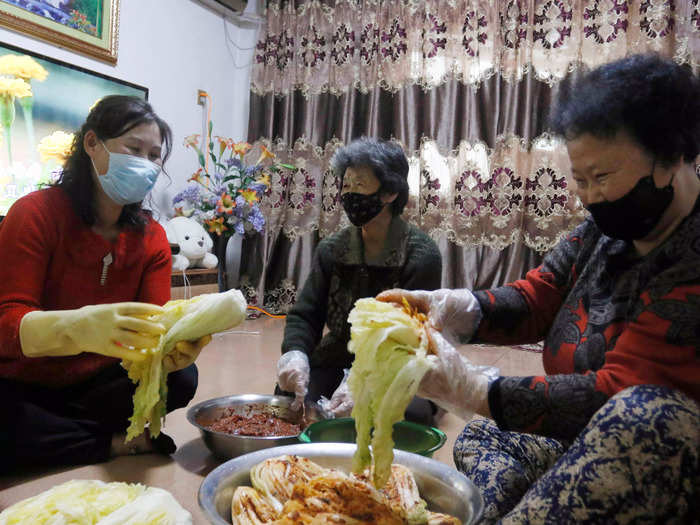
293	373
455	313
115	330
341	402
454	383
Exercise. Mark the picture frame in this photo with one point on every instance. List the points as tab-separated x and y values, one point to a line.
92	29
31	127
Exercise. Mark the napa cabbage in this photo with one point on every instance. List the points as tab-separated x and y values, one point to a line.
390	346
92	502
184	320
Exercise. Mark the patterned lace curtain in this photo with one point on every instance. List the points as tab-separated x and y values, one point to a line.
466	87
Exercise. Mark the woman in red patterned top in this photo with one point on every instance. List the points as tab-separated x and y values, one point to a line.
611	432
81	263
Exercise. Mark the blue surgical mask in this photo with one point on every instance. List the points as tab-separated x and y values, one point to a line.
128	178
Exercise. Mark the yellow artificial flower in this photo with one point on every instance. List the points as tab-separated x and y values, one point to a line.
216	225
264	179
250	196
14	87
265	154
241	148
24	67
56	146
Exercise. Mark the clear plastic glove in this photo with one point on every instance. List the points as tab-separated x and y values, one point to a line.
340	404
293	373
454	383
455	313
115	330
184	354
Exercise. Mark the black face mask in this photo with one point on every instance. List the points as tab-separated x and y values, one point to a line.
361	208
634	215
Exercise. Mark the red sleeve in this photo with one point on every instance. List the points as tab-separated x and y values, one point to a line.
659	347
25	250
524	310
155	281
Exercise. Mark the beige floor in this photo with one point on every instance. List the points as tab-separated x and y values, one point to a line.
238	362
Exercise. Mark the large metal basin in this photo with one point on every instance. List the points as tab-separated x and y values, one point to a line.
442	487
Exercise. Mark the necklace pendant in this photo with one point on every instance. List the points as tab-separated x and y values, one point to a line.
106	261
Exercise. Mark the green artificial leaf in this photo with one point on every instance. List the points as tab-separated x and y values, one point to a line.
200	156
288	166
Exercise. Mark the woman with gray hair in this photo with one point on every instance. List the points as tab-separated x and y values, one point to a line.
378	252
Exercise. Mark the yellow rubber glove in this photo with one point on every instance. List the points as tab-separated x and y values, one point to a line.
184	354
114	330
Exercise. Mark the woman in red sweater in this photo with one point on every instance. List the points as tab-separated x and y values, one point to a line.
81	262
610	433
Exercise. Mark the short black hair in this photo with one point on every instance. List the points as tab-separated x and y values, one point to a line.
653	99
387	161
111	117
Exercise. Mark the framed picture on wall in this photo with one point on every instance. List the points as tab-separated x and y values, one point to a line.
90	27
42	103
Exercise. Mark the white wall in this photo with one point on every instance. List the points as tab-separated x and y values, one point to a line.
174	48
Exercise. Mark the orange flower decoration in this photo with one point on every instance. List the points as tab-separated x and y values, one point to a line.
265	154
241	148
192	141
225	204
196	176
216	226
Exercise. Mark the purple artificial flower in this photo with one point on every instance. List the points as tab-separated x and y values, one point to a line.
257	219
190	194
250	170
234	162
258	187
240	228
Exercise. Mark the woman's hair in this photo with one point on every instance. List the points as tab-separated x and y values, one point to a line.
386	160
111	117
653	99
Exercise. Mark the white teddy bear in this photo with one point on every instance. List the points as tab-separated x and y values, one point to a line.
195	244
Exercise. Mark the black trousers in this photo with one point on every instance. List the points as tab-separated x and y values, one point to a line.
324	381
74	425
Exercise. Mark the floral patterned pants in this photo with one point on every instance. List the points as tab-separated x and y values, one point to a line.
637	461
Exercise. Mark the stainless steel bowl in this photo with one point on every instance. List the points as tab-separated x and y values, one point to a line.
443	488
226	446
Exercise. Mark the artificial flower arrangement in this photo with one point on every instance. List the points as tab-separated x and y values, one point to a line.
225	197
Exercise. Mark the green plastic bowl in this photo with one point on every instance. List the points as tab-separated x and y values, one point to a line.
408	436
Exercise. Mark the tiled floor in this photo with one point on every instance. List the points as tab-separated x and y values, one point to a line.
242	361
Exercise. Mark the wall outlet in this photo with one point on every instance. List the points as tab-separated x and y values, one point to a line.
201	97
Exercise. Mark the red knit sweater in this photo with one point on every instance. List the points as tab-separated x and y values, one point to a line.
50	260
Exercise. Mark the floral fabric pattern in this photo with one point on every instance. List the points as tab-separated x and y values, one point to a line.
472	195
411	42
636	461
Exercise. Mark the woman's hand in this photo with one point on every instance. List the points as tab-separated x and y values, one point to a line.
120	330
184	354
455	313
293	373
454	383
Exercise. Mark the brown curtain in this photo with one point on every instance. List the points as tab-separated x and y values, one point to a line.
466	87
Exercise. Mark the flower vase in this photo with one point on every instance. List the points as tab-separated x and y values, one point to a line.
233	260
228	251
